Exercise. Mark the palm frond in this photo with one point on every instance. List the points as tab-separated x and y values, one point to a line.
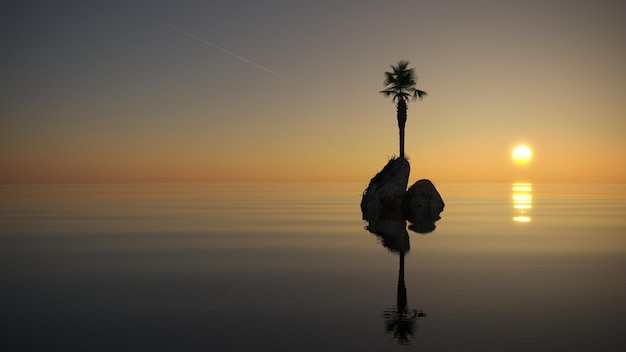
387	92
400	82
418	94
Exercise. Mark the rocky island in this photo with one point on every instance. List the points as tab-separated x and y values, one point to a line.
386	197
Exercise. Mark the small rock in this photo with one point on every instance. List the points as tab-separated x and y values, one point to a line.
423	194
422	205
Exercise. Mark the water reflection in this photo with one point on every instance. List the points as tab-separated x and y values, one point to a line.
401	320
522	201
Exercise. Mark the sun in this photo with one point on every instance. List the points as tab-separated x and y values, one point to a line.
522	155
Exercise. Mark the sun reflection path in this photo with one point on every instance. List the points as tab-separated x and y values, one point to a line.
522	202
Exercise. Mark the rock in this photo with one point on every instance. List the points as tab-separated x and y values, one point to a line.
422	206
423	198
386	204
384	197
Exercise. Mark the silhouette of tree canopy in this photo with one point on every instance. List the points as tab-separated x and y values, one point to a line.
400	83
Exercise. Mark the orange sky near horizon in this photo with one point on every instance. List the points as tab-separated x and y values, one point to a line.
111	94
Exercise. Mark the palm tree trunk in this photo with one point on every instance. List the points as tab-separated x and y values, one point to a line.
401	114
402	142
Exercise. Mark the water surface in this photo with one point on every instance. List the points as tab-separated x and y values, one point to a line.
291	267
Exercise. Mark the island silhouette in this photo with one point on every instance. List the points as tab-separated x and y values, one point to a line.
387	196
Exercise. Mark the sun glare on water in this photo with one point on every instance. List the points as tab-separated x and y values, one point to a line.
522	155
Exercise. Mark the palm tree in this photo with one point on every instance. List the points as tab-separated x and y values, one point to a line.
400	83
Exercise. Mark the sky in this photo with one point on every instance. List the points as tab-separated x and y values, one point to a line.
288	91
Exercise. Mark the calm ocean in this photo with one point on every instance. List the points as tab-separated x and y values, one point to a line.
292	267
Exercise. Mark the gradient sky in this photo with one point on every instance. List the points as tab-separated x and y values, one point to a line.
97	92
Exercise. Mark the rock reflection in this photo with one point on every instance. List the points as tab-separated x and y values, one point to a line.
522	201
401	320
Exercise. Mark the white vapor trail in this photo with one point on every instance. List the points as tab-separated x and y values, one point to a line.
230	53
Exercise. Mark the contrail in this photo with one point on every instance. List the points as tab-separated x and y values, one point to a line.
230	53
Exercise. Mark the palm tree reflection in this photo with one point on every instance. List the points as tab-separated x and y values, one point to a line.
401	320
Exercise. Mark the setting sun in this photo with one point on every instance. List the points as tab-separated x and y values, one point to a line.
522	155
